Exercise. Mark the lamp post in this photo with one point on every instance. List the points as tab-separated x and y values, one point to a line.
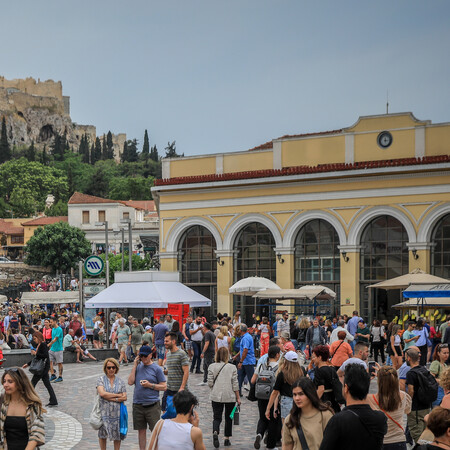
105	224
130	242
122	231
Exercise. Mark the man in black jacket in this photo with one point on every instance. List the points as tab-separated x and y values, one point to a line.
358	426
316	335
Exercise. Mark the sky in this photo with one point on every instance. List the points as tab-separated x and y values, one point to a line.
228	76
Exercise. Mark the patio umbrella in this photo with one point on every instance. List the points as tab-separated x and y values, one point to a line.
317	292
251	285
417	276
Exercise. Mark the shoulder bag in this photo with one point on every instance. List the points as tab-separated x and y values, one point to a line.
37	366
386	414
302	438
156	431
95	419
218	373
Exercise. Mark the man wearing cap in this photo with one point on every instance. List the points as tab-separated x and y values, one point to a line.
148	380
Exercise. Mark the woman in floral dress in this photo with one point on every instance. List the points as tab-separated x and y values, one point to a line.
112	391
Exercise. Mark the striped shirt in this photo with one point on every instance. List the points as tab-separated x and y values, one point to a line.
175	362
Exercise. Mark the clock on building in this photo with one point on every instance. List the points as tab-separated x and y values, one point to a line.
384	139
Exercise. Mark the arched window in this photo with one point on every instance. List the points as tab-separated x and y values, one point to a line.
440	250
197	262
384	255
317	260
254	256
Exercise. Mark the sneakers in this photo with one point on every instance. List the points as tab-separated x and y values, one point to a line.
216	440
226	443
53	377
257	443
58	380
199	371
203	383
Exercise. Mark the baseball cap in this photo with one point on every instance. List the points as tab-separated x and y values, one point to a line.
148	327
291	356
145	350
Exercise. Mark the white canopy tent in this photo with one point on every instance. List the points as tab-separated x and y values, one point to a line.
58	297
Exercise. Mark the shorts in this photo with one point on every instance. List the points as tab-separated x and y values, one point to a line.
160	351
136	348
56	357
146	415
398	350
71	348
188	345
122	348
285	405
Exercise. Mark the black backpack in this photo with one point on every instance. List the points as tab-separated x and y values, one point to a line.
428	387
337	388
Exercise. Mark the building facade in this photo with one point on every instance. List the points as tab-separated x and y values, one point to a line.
344	208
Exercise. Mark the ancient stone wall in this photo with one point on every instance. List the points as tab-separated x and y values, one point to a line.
48	88
12	274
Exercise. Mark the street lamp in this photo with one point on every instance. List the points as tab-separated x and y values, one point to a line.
130	242
122	230
105	224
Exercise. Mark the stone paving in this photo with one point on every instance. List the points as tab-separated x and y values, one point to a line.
67	426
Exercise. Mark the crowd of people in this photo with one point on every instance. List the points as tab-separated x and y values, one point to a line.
309	378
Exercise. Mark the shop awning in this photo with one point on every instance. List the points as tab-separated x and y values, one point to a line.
413	303
42	298
438	290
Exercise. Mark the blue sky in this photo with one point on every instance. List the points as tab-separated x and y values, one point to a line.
227	76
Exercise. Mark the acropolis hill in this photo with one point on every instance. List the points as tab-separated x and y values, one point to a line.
36	110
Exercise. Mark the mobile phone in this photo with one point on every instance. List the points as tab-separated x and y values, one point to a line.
371	368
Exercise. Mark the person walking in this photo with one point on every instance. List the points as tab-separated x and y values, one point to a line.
209	341
182	432
187	337
169	322
223	382
409	338
223	339
394	404
159	332
307	419
340	350
137	331
283	324
357	426
123	335
265	332
21	413
316	335
148	380
422	332
246	357
177	368
289	372
352	326
360	357
41	353
196	332
341	327
395	348
362	332
112	391
324	376
302	330
56	353
271	425
438	367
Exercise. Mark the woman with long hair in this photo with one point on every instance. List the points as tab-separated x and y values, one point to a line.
41	353
422	332
21	422
47	331
437	368
395	348
377	338
394	403
302	329
308	414
223	382
444	382
324	374
112	391
264	339
223	339
289	371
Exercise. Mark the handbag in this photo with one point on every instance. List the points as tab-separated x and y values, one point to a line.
37	366
95	419
123	420
156	431
302	438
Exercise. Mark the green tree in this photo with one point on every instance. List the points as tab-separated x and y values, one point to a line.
126	188
146	146
44	156
96	152
58	147
109	145
5	150
115	263
83	149
124	156
104	149
59	208
171	150
133	151
99	183
31	152
58	245
154	154
23	202
92	158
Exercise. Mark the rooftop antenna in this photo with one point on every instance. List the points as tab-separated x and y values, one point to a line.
387	102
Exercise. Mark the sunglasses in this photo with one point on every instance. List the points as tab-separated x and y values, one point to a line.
443	346
110	367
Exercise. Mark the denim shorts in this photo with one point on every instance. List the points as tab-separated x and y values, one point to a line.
160	351
285	405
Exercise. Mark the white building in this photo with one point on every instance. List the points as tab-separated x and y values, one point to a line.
85	211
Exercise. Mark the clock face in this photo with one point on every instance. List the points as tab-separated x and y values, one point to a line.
384	139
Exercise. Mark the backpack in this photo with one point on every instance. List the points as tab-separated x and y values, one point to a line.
265	382
428	387
337	388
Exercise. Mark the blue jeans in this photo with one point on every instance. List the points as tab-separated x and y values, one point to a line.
196	346
440	396
302	346
247	369
295	343
352	344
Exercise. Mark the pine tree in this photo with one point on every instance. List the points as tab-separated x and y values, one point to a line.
125	156
146	146
31	152
44	156
110	145
92	154
5	150
104	149
57	147
97	151
132	150
154	154
84	149
171	150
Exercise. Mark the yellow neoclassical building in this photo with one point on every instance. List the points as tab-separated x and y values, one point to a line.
342	208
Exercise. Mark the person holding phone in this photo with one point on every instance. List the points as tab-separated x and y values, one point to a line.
148	379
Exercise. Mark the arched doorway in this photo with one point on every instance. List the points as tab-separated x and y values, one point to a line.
384	255
197	264
254	256
440	250
317	261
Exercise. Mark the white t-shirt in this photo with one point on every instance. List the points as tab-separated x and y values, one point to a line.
197	337
352	361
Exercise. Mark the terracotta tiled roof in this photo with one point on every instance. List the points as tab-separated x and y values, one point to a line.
297	170
7	227
79	198
265	146
146	205
45	221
